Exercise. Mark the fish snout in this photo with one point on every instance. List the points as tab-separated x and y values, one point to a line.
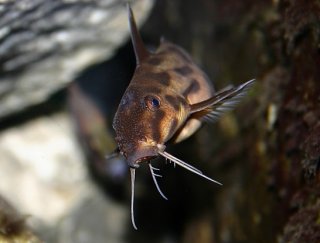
141	154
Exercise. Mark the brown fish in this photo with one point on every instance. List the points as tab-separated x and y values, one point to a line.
167	100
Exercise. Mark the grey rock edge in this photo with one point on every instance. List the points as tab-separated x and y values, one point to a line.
45	44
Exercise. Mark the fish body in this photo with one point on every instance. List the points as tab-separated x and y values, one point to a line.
156	105
167	100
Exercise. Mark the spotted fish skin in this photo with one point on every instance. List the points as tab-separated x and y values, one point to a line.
170	76
167	99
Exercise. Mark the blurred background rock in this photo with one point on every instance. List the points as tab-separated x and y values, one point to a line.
64	67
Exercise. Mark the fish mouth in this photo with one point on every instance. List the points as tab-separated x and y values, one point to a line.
147	153
144	159
159	150
142	155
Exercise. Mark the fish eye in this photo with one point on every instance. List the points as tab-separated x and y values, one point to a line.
152	102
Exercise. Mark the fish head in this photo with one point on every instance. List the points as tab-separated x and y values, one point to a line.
145	120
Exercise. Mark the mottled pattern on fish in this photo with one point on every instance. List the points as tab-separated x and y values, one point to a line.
167	99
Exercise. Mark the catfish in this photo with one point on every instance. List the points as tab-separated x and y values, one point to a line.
167	100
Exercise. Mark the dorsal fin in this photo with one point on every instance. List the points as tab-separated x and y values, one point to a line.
140	50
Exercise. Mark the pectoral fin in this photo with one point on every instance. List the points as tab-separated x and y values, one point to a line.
212	109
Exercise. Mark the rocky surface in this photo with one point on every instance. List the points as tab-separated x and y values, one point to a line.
13	225
44	174
44	45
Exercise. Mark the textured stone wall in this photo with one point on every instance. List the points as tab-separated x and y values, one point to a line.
44	45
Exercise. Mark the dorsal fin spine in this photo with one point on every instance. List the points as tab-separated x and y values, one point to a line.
140	50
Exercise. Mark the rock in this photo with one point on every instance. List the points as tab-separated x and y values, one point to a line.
43	173
13	225
45	44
